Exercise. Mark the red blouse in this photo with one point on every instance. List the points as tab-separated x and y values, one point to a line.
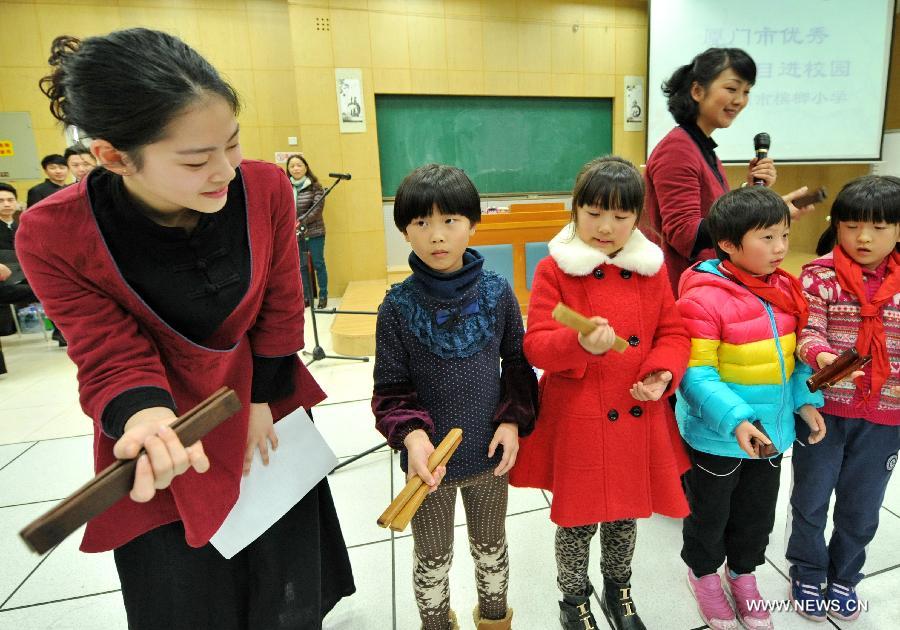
681	188
119	343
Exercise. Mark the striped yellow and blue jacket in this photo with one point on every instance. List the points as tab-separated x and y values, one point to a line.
742	364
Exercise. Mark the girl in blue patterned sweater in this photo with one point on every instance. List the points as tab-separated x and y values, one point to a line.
449	354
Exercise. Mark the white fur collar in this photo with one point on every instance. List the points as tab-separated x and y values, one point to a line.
577	258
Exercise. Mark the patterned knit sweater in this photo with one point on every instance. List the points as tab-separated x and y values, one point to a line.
468	372
834	321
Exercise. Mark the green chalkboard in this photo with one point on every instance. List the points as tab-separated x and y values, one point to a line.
505	144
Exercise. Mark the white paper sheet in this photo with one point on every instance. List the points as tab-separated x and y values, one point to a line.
268	492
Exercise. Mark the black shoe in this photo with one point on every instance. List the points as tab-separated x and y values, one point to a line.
57	336
617	605
306	302
323	302
575	612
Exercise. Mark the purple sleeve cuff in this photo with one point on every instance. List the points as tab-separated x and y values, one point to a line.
398	413
518	396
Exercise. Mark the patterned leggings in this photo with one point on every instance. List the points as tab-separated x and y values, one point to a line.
573	547
484	499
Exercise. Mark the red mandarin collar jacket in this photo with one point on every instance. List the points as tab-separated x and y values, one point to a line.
681	188
119	343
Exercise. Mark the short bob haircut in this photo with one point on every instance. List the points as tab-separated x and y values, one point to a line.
737	212
703	70
309	173
609	183
53	158
127	86
869	199
440	186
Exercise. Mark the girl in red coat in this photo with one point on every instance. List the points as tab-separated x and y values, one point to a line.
173	270
605	443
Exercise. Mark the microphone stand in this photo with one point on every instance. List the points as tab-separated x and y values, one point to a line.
318	353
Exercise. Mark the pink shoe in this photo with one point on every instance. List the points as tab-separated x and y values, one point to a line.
711	601
743	591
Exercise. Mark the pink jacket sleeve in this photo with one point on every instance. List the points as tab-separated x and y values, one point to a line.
814	337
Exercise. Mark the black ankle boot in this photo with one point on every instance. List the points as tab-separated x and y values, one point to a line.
575	612
617	605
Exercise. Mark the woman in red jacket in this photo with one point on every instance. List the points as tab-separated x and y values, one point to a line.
605	442
173	271
684	176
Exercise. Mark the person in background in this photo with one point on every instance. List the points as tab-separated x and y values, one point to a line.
684	176
12	290
311	238
8	206
79	160
57	172
8	225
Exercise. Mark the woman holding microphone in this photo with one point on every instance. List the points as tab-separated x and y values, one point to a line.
684	176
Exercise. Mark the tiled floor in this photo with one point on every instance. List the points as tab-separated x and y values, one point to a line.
45	453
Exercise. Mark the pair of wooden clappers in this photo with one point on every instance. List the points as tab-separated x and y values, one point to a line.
401	510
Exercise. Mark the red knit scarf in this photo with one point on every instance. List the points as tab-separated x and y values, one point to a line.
791	302
870	339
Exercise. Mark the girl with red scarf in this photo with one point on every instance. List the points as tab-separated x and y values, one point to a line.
854	301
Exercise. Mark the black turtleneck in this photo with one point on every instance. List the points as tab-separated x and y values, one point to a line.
192	280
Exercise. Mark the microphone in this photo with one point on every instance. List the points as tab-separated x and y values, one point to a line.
347	175
761	144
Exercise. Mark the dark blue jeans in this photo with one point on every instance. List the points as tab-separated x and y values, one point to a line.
317	249
855	461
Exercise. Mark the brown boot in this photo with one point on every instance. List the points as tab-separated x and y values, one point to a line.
492	624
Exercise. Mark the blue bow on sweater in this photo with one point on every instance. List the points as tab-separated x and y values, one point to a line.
443	315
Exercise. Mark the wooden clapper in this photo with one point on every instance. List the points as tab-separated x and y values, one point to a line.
116	480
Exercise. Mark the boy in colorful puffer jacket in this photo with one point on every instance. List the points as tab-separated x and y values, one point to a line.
743	314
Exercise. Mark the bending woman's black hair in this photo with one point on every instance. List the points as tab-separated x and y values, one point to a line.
125	87
870	198
703	69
